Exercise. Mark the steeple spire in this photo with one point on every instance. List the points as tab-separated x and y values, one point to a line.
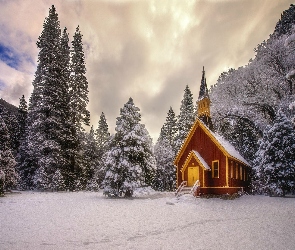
203	88
203	103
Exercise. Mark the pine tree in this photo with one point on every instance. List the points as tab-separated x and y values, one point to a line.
9	115
79	83
68	141
165	178
7	162
103	139
49	108
78	106
186	117
91	158
285	24
129	162
2	182
102	134
165	151
47	129
58	182
169	129
22	117
275	162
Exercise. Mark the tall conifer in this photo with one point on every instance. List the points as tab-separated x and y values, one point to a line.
186	117
78	105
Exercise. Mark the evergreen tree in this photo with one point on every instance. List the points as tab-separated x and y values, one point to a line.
165	179
165	152
69	141
7	162
58	182
186	117
91	158
49	106
102	134
9	115
79	83
130	161
169	129
78	106
102	137
2	182
242	133
22	117
275	159
285	24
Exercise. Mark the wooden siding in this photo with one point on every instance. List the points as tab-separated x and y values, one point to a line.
230	179
203	144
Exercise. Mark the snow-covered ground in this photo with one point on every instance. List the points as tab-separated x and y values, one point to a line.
85	220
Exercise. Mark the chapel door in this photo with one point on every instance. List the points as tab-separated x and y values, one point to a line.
192	176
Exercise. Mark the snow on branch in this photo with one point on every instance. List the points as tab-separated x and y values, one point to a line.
291	74
290	40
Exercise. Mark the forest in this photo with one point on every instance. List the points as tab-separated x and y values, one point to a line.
44	145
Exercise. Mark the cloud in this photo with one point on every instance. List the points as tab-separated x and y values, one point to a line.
148	50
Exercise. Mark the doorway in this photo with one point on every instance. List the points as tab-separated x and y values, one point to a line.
192	176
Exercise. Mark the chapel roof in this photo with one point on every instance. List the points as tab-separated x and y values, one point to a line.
218	140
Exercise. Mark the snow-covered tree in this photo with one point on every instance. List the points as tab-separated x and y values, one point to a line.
7	162
58	182
78	106
275	159
2	182
256	91
165	179
79	83
22	119
9	115
165	152
103	138
91	159
102	134
186	117
169	129
130	161
48	126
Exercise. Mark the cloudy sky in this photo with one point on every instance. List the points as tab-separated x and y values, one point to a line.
148	50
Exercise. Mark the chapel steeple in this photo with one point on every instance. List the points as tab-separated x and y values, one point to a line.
203	88
203	103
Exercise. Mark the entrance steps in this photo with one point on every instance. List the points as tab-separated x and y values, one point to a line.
184	189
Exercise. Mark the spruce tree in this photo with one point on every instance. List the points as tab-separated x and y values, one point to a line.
186	117
91	158
165	178
130	161
78	106
79	83
275	159
103	138
169	129
2	182
165	151
102	134
68	141
7	162
49	107
22	117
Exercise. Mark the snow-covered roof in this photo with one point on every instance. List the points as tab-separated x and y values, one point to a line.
201	160
229	148
219	140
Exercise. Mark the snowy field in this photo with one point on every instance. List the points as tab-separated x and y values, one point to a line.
85	220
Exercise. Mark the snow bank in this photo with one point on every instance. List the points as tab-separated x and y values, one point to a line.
85	220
